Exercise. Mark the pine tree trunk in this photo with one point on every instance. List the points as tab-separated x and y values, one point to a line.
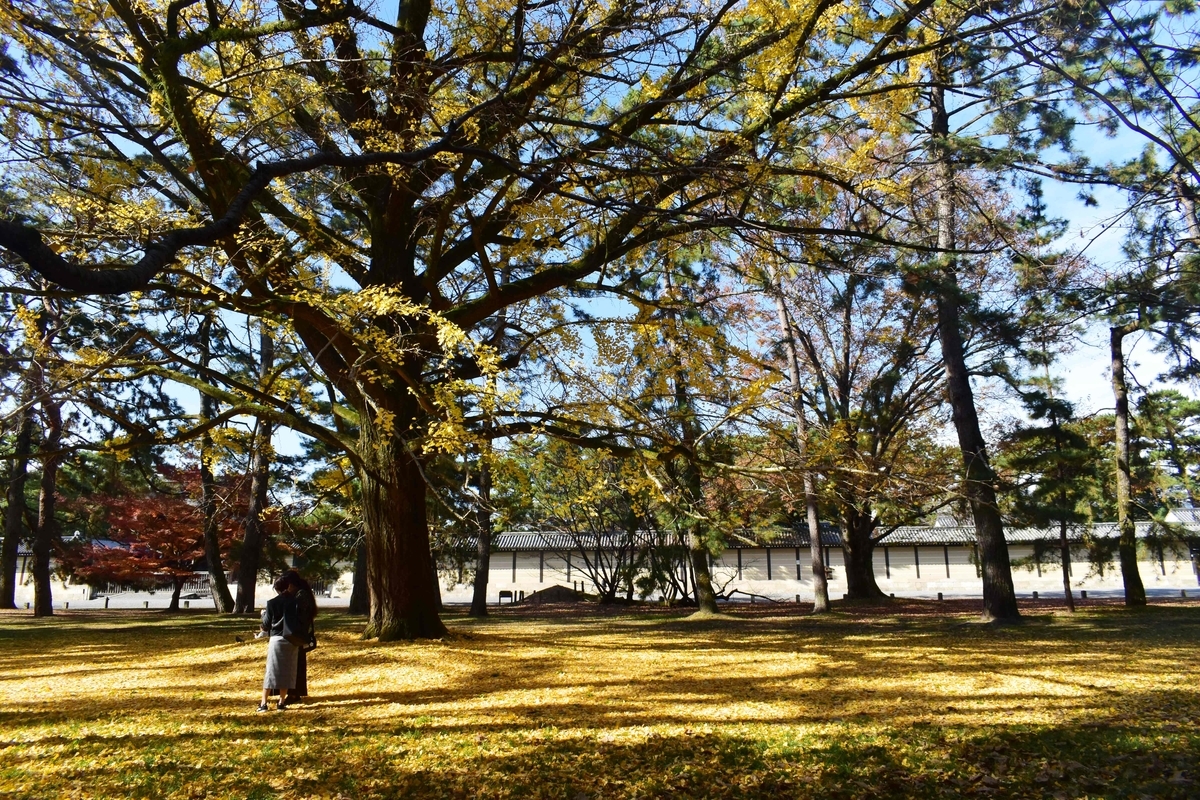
47	525
222	597
706	596
979	481
1065	556
1135	591
483	548
697	540
254	535
14	512
400	569
483	565
860	558
219	586
692	485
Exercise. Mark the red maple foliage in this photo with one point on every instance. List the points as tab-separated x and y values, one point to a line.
154	539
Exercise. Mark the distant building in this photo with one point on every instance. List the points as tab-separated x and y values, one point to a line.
911	560
918	560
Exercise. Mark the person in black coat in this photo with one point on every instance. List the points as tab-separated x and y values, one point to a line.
306	612
281	622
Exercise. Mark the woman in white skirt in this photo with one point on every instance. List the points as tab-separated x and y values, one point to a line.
280	622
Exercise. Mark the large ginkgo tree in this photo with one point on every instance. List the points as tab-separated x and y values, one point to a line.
406	190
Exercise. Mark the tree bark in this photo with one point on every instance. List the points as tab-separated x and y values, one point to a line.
14	512
360	597
816	555
176	590
47	525
255	534
999	595
697	527
692	485
1135	591
1065	556
483	516
400	569
219	586
706	596
979	481
859	548
1061	476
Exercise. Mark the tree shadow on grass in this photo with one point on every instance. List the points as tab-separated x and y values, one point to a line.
605	700
560	723
935	762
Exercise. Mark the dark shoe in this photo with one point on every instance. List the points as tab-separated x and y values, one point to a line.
262	708
283	706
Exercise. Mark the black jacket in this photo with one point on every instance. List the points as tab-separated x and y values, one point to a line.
280	618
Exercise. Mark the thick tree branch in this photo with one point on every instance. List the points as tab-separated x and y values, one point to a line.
27	242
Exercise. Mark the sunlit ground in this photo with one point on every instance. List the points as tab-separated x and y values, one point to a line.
902	702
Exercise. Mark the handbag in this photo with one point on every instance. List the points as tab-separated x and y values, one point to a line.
306	609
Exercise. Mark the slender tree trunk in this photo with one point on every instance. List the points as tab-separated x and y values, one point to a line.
706	596
1062	478
250	558
999	595
1187	194
483	516
360	596
254	534
404	596
1065	556
47	525
176	590
697	530
1135	592
697	527
979	481
14	513
483	555
690	479
860	557
437	585
816	554
219	586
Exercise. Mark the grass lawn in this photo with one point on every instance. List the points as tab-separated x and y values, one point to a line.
909	700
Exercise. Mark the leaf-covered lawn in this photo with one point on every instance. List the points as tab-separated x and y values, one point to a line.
867	703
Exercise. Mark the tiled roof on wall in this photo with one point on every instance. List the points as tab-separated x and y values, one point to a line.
907	535
554	540
1184	516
